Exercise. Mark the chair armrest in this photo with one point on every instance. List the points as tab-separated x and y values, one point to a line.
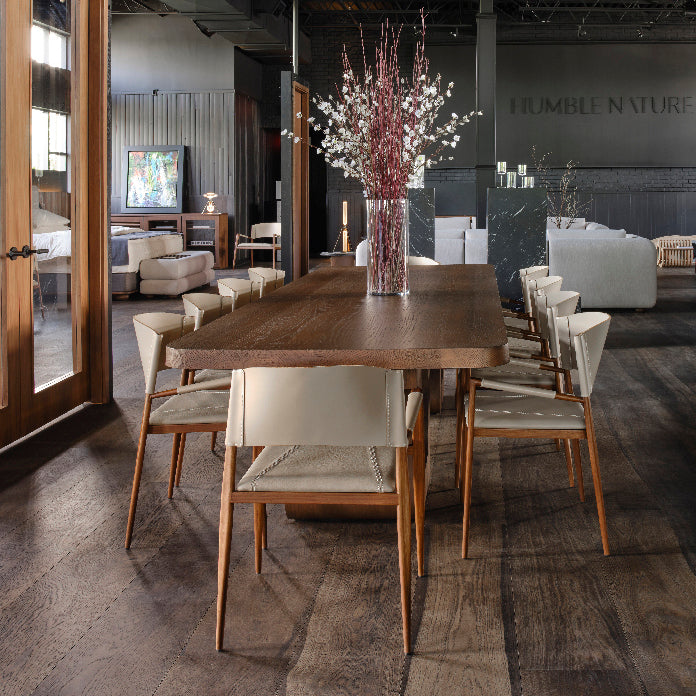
215	384
413	406
518	389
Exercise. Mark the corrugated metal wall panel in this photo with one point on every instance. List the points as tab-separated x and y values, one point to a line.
202	121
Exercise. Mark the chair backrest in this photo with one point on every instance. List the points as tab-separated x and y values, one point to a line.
205	307
241	290
265	229
269	278
341	406
422	261
527	274
361	253
154	331
581	338
550	306
544	284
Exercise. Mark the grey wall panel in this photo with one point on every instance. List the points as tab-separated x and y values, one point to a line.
203	122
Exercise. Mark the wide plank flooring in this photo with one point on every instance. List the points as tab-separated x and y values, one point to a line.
536	609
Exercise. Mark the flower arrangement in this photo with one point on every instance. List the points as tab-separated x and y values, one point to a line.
382	128
563	199
378	126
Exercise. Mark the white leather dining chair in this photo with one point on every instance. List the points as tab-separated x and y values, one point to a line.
241	290
185	409
516	411
345	444
270	278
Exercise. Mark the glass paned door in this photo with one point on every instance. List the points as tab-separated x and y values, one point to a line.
55	235
44	212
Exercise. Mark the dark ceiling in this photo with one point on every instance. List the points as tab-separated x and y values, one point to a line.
318	13
517	20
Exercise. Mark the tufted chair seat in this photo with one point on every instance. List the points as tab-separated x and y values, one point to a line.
527	412
197	407
323	469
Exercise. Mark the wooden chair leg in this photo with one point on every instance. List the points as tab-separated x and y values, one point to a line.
578	470
403	528
180	459
259	514
468	469
213	439
264	532
224	540
419	488
458	427
596	475
173	466
252	258
558	445
138	469
569	462
260	522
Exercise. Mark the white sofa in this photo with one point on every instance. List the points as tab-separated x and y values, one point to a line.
450	237
609	268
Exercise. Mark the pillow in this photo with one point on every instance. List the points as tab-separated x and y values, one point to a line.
118	230
596	226
47	219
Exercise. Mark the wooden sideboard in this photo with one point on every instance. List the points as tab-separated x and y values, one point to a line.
202	232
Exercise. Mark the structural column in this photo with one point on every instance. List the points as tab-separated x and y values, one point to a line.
485	102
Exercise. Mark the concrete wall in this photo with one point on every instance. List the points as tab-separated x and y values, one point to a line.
149	53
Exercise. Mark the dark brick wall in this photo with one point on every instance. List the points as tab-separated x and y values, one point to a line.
644	200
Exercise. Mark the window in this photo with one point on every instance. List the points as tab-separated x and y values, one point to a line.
49	46
49	140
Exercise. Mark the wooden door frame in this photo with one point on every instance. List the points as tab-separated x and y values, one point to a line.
300	181
21	414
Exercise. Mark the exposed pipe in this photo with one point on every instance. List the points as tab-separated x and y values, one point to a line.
295	36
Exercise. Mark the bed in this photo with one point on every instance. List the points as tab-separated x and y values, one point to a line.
52	234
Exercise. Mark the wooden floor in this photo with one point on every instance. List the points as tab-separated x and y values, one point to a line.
537	610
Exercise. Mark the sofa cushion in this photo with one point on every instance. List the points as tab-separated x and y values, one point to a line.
586	234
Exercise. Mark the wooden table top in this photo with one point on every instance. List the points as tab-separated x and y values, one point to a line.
451	318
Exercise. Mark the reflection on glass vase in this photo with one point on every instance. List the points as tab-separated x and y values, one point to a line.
387	247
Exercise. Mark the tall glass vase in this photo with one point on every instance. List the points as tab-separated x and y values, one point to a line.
387	247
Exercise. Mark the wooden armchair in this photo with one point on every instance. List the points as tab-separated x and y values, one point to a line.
262	230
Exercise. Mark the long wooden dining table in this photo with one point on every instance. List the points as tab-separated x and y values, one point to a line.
452	318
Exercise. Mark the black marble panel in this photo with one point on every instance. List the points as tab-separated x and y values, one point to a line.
421	222
516	234
454	197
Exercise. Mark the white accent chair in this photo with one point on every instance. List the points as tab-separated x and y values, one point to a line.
518	411
345	444
262	230
269	279
361	257
188	408
241	290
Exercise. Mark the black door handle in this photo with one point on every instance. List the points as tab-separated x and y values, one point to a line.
26	252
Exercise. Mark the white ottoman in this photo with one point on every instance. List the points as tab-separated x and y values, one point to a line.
176	273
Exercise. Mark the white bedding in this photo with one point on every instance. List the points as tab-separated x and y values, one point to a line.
57	242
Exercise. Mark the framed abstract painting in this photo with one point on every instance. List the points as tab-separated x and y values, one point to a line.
153	179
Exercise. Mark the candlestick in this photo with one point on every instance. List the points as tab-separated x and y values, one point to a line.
501	168
522	169
345	213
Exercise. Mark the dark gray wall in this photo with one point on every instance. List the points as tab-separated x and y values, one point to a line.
601	105
636	168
